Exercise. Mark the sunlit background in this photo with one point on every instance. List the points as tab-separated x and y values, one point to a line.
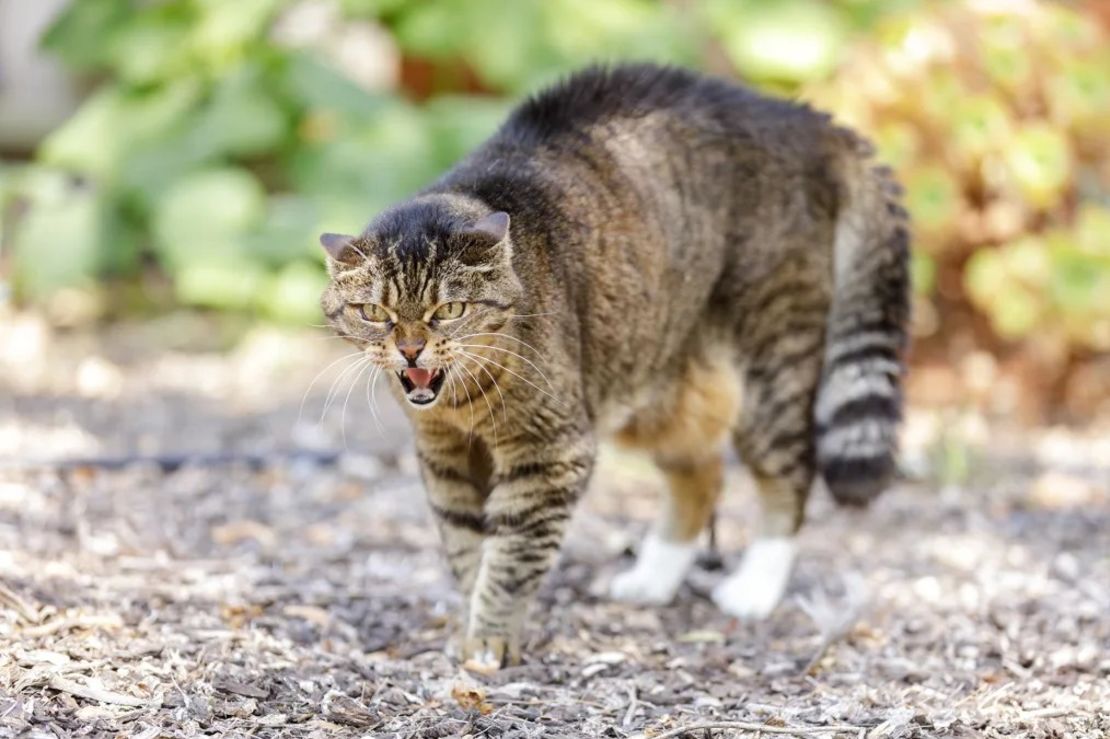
183	154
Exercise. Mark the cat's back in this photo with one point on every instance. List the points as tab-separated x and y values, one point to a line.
617	99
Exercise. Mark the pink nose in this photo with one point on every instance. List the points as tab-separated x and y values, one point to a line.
410	348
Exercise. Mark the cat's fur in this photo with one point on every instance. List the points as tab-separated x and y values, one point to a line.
673	242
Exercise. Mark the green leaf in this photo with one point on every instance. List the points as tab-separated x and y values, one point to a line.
293	295
309	83
242	118
1079	280
205	217
791	41
1079	93
153	45
458	124
225	29
923	271
985	277
933	197
57	239
230	284
114	123
436	29
1040	162
1005	52
82	34
981	124
1093	229
387	159
288	231
1016	313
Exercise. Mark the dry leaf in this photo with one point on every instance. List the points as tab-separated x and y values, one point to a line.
471	698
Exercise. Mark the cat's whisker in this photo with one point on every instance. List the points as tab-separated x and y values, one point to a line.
371	398
502	336
450	382
343	416
337	386
534	315
469	402
518	356
336	337
489	406
315	379
504	409
514	374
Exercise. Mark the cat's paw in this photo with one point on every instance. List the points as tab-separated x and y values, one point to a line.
757	586
658	573
638	586
488	654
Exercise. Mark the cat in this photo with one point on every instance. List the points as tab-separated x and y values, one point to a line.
651	255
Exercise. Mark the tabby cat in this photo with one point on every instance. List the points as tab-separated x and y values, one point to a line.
646	254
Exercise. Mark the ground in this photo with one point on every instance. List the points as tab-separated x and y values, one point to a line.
212	561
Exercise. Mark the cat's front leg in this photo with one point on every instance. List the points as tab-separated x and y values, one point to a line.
535	488
456	490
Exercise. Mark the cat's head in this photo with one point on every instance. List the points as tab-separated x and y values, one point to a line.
424	280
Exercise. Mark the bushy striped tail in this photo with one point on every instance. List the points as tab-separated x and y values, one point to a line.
859	403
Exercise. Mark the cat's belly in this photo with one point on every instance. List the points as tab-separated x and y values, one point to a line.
687	416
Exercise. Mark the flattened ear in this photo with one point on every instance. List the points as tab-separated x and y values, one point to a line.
341	248
492	228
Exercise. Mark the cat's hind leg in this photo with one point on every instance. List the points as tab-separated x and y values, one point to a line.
670	548
776	441
685	435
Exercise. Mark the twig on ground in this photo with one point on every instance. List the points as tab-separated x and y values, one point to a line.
96	694
86	621
633	704
14	601
1050	712
763	728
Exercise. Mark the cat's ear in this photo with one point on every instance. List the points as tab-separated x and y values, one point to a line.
486	241
492	228
341	248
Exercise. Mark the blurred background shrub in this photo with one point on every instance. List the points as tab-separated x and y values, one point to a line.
196	147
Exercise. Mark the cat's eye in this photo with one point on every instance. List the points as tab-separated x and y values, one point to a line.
449	311
372	312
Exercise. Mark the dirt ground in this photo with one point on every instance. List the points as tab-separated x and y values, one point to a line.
184	551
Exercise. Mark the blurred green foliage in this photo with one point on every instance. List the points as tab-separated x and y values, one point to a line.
995	116
221	136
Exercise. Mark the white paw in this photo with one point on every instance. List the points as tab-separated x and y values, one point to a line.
757	586
637	586
658	573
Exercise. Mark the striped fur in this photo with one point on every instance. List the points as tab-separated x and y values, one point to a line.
648	254
859	404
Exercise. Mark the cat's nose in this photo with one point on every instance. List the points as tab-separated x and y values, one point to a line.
410	349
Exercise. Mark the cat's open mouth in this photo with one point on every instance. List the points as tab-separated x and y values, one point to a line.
421	385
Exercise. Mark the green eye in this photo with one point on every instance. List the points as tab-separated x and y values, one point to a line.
449	311
373	313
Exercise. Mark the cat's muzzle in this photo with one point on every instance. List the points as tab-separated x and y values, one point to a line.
421	385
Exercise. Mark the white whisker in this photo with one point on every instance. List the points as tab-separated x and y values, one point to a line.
514	374
371	402
504	410
518	356
343	415
489	406
316	379
503	336
336	386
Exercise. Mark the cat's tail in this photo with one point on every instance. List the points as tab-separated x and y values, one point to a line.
859	403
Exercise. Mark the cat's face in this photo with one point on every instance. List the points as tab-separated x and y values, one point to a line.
424	287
